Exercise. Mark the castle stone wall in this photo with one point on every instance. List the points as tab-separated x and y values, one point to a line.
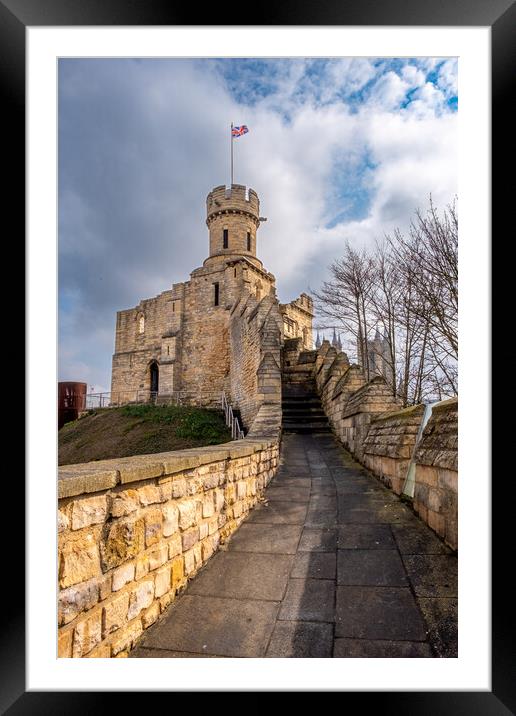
297	320
187	330
369	421
134	531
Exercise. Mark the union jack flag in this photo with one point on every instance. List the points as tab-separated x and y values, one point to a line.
238	131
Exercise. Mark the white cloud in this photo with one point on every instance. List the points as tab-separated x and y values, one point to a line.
144	143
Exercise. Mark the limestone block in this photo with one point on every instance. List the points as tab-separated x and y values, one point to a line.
203	530
427	475
211	481
87	634
448	479
79	560
241	489
104	583
88	511
63	523
187	513
122	576
162	581
141	598
189	562
158	557
422	511
194	485
219	500
150	615
189	538
197	550
64	644
102	651
170	519
77	599
124	503
126	637
141	567
435	500
166	491
153	527
436	522
208	507
174	546
213	525
230	494
149	495
177	572
207	549
178	487
125	539
114	615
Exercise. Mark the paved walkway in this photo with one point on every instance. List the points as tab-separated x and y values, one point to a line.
332	564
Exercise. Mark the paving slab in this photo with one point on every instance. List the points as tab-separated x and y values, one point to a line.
370	567
318	539
275	539
378	613
211	625
242	575
278	512
301	640
316	565
288	493
355	536
309	600
331	563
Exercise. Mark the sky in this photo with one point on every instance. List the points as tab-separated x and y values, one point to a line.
337	150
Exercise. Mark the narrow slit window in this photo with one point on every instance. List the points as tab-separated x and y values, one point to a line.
215	294
249	241
225	238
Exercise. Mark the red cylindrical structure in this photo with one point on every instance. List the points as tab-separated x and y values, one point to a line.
71	400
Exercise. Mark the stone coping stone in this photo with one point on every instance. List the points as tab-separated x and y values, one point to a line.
101	475
403	414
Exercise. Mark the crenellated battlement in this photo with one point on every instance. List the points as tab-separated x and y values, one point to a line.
238	198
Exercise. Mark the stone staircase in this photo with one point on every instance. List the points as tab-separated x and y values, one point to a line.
301	406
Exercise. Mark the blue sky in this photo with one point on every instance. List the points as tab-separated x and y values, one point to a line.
337	149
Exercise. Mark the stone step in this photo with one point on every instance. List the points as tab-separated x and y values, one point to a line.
306	428
304	417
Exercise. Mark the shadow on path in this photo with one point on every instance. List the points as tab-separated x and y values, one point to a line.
331	564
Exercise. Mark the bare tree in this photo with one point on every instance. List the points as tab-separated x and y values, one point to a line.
345	299
407	287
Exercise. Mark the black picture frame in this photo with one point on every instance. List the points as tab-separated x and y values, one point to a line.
500	16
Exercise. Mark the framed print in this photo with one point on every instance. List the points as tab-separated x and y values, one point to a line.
89	86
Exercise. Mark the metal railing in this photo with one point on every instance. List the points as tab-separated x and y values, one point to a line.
130	397
231	420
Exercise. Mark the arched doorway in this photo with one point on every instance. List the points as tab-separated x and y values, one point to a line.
154	377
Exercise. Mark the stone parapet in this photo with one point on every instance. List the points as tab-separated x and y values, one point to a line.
368	420
133	531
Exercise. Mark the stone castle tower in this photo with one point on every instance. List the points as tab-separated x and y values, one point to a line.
378	355
180	341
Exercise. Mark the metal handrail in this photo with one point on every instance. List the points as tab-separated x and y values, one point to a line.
114	400
231	420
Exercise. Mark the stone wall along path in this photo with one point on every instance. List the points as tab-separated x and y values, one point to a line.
331	564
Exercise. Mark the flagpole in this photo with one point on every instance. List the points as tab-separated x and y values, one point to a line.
231	185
